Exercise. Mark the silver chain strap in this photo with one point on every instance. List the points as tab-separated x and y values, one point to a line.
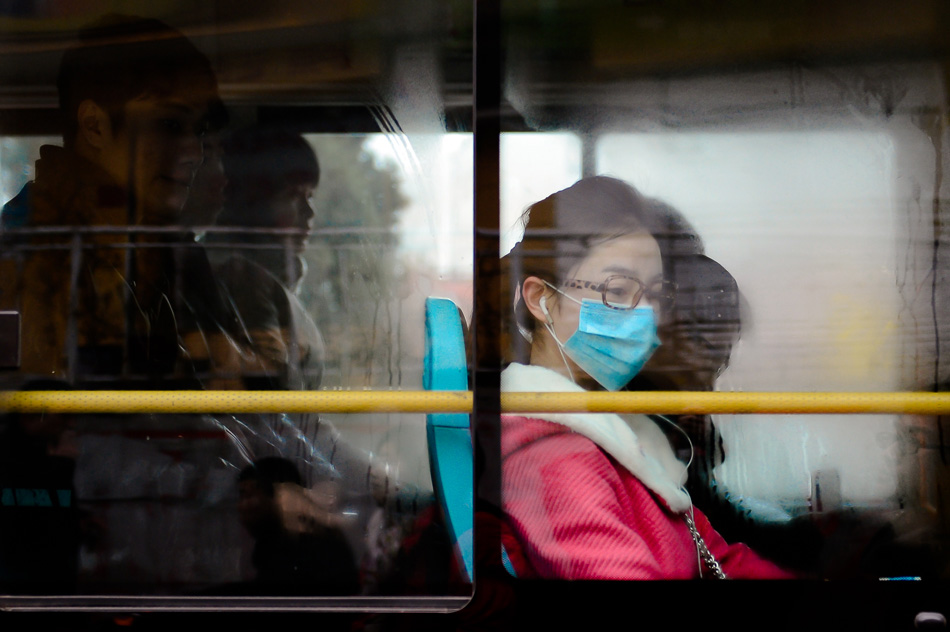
704	551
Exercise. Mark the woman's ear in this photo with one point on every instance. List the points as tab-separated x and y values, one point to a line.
536	293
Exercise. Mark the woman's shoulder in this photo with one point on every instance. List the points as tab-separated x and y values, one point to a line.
525	429
526	437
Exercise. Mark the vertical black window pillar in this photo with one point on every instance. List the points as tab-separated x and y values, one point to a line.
486	322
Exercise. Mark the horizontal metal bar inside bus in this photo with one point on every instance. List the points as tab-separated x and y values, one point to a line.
12	251
674	403
179	229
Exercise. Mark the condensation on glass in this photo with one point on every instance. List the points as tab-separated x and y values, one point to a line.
331	196
819	187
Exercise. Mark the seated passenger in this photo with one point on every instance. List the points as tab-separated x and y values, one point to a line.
257	248
597	496
271	177
97	298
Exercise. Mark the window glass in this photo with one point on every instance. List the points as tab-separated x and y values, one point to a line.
821	208
793	212
16	160
533	165
215	201
812	213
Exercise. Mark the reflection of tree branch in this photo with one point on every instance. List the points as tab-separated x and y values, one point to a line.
351	272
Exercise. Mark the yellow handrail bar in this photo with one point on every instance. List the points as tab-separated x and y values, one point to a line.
462	402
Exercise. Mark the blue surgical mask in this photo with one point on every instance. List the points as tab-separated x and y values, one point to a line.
612	345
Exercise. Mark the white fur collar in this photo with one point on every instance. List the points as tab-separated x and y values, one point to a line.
634	441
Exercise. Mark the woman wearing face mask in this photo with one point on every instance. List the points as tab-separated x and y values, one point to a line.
596	496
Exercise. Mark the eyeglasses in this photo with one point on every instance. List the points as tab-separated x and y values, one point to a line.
624	292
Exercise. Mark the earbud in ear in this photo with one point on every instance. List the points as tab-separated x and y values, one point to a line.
543	303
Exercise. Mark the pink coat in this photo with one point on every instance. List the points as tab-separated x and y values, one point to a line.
575	513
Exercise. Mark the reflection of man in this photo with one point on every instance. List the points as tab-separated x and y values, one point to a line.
135	95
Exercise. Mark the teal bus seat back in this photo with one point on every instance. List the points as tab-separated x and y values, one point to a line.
445	368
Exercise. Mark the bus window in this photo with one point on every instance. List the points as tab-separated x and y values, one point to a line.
534	164
244	201
737	229
853	332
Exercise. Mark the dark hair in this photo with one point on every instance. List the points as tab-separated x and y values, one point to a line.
258	163
561	229
701	329
270	471
675	235
121	57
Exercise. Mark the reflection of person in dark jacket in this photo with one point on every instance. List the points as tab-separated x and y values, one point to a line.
105	300
260	236
299	548
271	177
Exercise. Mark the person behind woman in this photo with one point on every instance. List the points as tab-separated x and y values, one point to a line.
596	496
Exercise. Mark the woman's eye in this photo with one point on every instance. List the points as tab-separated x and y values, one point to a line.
621	287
